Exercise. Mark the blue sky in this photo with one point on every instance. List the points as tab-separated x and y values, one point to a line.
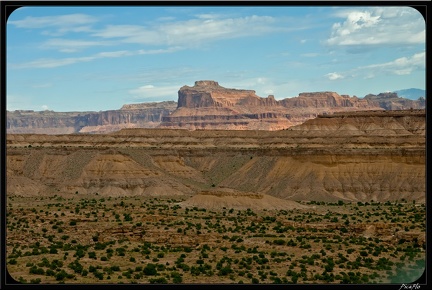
99	58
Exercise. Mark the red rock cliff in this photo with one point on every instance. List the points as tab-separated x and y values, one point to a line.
207	105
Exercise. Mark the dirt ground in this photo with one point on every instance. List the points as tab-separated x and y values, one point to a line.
93	239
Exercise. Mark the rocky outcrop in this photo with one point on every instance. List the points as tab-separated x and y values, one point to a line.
147	115
211	94
330	100
169	105
228	198
391	101
207	105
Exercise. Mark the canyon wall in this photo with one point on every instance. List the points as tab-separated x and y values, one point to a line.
357	156
206	105
48	122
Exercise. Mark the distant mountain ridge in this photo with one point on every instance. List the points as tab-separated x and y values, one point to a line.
206	105
412	94
391	101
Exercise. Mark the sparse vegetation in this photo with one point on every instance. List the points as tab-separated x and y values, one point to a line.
152	245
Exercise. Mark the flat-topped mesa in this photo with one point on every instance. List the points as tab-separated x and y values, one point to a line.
318	94
140	106
325	100
388	95
211	94
147	115
391	101
206	83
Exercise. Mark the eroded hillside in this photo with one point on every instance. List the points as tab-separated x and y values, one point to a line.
348	156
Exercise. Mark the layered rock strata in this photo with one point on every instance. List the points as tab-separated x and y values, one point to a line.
147	115
358	156
207	105
391	101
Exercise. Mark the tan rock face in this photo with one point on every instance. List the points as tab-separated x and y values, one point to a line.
358	156
49	122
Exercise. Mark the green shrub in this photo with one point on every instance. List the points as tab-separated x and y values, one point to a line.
161	280
92	255
36	270
177	278
150	270
35	281
12	262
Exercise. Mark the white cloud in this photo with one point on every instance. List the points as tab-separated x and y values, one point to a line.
159	51
44	107
44	85
63	30
57	25
208	16
189	32
369	75
166	18
152	91
114	53
53	63
68	50
378	26
334	76
49	21
400	66
309	54
261	80
68	45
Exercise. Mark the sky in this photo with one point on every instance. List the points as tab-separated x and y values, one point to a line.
99	58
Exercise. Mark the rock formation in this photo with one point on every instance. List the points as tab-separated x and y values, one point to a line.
227	198
353	156
147	115
207	105
391	101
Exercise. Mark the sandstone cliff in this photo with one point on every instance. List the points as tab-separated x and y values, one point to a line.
146	115
207	105
356	156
